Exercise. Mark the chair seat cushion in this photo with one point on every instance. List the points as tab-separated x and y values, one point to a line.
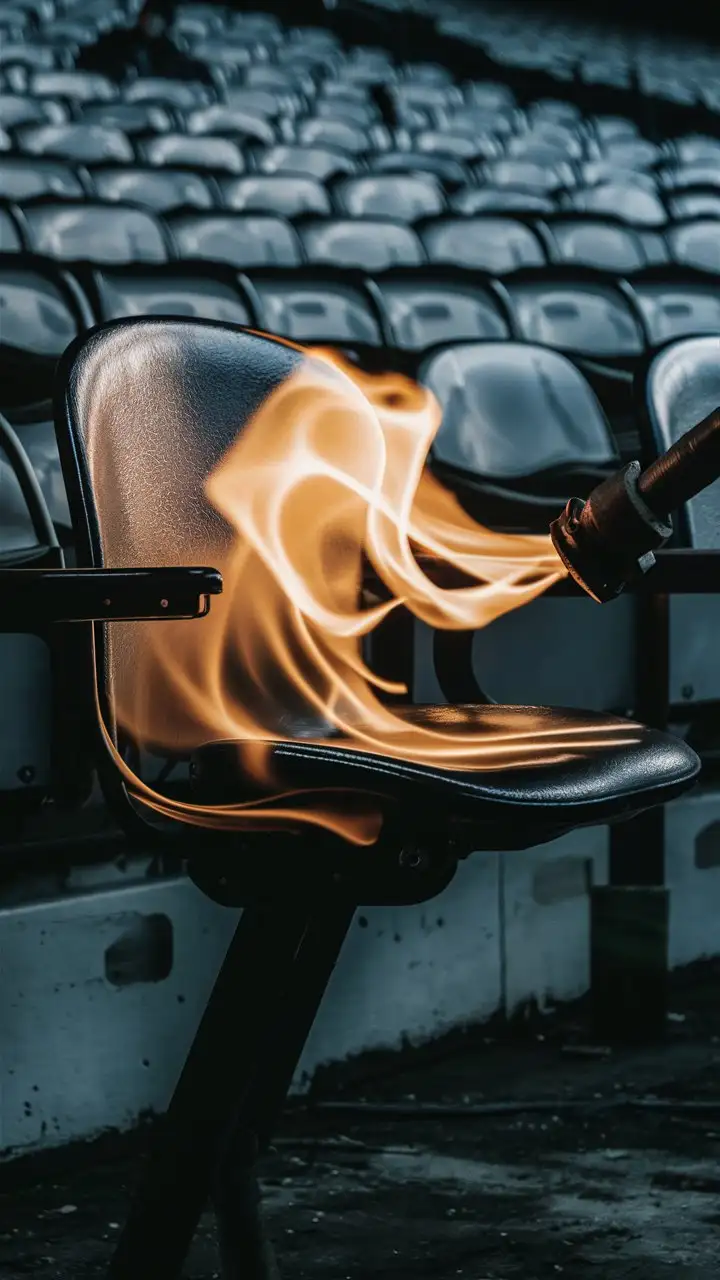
544	766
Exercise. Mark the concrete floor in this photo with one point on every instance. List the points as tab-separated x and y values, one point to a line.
604	1192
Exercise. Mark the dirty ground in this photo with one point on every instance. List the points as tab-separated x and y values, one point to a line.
598	1191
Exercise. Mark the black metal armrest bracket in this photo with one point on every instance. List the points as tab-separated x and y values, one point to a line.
38	597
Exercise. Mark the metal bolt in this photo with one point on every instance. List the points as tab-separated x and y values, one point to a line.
107	603
411	858
26	773
163	604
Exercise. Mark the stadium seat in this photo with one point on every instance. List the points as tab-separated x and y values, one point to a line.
77	143
365	244
93	232
287	196
423	312
575	313
161	190
41	314
560	437
493	245
240	240
676	304
210	294
25	178
321	312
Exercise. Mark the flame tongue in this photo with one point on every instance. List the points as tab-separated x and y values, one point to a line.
331	470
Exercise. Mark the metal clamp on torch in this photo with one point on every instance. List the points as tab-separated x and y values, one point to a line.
608	542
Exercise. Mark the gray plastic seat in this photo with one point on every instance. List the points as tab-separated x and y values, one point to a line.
512	411
604	245
541	178
682	386
81	143
232	122
422	313
77	86
40	318
306	162
488	200
700	174
696	244
17	534
494	127
695	149
360	115
341	136
425	73
556	141
673	308
37	436
494	245
489	95
288	196
369	245
384	196
259	103
161	291
694	204
161	190
632	153
24	179
555	113
316	312
178	151
464	146
632	203
280	80
132	118
19	53
605	173
369	66
182	94
10	238
221	52
19	110
447	169
94	232
239	240
587	318
428	97
607	128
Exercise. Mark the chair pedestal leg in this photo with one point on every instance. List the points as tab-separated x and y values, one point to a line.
245	1250
245	1049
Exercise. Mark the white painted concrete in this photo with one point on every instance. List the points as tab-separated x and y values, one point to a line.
78	1054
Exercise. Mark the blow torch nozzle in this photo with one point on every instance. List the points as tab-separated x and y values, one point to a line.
608	541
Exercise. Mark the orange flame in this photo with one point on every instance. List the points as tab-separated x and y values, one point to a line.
331	469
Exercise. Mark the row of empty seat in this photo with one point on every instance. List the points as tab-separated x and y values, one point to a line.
43	308
254	235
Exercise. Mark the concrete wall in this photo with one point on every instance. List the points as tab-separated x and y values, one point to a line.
88	1043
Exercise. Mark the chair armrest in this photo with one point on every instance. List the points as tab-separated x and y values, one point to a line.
41	596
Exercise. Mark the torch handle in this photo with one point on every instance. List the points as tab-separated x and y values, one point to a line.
691	464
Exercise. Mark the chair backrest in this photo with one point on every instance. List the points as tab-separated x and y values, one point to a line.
682	387
145	409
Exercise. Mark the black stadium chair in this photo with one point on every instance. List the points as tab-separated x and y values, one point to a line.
299	888
525	221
